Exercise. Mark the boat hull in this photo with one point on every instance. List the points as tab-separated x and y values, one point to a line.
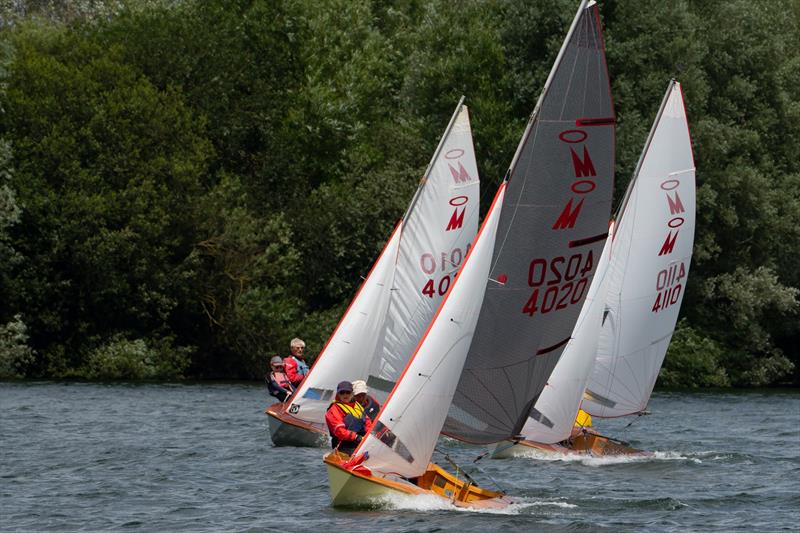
365	489
583	443
286	430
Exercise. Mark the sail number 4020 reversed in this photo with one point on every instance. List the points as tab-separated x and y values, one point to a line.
557	283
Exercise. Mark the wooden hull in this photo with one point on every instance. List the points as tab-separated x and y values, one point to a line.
581	443
286	430
356	489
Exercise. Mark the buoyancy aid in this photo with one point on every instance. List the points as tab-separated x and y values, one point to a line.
353	421
282	380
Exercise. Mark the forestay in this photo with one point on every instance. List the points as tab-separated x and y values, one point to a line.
553	416
394	305
551	231
656	231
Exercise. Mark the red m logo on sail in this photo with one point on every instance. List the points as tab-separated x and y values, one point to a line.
568	217
460	175
457	220
583	167
669	244
675	206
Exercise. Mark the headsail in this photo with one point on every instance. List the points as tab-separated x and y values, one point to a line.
551	232
395	303
404	436
553	416
655	230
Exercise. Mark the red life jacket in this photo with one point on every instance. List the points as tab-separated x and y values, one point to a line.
283	380
352	417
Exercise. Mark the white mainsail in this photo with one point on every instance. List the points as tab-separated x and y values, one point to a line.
655	232
395	303
554	413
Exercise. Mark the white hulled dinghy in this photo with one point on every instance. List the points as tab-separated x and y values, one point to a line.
611	365
506	319
395	303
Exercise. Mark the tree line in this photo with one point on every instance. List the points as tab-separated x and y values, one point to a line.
187	185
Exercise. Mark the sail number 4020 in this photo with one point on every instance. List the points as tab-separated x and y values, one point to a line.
557	283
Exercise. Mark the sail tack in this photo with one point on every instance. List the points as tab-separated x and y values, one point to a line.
395	303
649	265
550	235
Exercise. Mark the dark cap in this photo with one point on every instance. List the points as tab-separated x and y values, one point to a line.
344	386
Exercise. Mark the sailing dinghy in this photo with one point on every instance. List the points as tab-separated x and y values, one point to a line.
628	319
501	327
395	303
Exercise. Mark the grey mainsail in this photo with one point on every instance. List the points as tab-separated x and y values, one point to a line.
551	232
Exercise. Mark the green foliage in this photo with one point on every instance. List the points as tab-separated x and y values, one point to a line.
220	174
121	358
107	167
247	282
693	360
15	354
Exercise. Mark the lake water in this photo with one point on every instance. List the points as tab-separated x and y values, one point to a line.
198	458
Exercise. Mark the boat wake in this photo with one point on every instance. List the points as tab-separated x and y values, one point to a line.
427	503
604	460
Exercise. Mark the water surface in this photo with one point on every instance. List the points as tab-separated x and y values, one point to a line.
198	458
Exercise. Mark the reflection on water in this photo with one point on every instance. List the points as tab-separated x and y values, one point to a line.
198	457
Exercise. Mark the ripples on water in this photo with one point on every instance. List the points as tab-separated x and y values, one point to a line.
199	458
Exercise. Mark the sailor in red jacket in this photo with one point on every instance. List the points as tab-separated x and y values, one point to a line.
294	365
346	421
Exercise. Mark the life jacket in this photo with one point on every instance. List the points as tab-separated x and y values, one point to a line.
583	419
353	421
302	367
282	380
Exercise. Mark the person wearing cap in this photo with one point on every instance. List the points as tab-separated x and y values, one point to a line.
296	367
278	382
345	419
361	395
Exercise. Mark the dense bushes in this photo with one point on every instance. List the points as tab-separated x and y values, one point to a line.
185	186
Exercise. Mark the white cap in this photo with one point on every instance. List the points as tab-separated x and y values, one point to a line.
360	387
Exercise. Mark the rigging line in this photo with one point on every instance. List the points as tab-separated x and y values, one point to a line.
466	474
574	65
638	415
456	466
493	480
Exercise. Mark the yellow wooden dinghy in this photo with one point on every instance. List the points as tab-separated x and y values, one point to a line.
355	486
585	442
